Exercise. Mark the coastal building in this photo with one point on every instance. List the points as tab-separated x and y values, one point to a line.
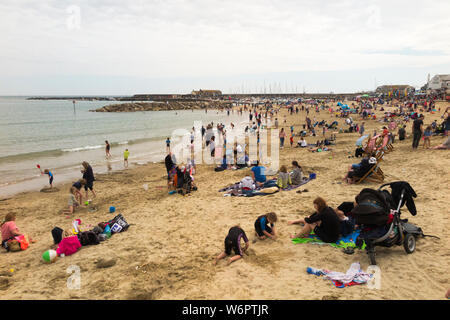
394	88
206	93
439	82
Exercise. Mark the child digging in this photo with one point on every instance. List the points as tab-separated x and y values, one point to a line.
262	228
233	241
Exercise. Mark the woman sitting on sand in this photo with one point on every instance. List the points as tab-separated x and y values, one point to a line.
10	230
296	174
324	222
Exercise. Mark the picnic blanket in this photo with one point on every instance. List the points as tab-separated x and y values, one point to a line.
343	242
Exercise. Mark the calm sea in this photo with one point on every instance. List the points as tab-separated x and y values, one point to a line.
55	136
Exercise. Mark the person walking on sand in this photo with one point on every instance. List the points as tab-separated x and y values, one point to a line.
107	149
126	154
417	130
168	144
282	136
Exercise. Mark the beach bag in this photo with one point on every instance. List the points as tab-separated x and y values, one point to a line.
13	246
57	235
87	238
19	243
118	224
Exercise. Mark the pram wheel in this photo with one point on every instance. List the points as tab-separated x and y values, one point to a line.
409	243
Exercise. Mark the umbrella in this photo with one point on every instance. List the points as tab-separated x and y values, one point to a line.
360	141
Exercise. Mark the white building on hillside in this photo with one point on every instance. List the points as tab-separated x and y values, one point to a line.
439	82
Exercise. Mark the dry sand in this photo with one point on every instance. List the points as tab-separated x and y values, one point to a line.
167	252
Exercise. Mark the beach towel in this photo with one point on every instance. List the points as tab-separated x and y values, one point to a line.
343	242
235	189
292	186
353	276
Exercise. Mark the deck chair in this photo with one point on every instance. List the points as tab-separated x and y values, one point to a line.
375	173
371	145
382	144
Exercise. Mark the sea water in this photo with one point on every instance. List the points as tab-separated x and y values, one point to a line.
58	135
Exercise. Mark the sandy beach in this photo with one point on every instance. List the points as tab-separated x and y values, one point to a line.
167	252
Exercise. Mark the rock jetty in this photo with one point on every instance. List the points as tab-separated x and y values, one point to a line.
160	106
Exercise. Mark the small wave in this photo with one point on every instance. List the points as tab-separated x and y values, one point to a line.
124	142
82	148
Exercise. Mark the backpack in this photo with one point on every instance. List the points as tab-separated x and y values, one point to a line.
87	238
118	224
57	235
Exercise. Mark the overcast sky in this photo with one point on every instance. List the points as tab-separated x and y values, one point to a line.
120	47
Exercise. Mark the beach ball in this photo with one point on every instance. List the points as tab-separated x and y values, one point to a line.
49	256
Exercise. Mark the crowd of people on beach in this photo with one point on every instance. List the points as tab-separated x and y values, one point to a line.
327	223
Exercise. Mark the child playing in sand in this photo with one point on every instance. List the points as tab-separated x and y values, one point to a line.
126	154
72	201
9	230
233	241
262	228
77	185
50	176
427	137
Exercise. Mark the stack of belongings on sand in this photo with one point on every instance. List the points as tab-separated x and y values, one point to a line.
68	244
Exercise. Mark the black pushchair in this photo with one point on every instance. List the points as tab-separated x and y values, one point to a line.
378	215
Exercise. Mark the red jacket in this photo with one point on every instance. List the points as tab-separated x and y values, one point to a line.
68	246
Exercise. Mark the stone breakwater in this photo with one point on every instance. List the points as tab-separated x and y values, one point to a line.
163	106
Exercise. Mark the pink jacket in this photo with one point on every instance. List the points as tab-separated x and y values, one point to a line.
68	246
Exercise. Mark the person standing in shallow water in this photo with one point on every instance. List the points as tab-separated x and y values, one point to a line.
107	149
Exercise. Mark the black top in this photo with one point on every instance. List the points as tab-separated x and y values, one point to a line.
233	239
169	163
77	185
330	223
88	174
416	124
346	208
